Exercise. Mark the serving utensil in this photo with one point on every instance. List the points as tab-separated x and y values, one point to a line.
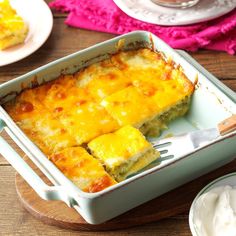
183	144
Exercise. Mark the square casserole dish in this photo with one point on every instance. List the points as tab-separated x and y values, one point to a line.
211	103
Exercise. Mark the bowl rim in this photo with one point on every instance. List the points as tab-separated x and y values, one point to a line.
202	191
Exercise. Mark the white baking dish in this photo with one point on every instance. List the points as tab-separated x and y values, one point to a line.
212	102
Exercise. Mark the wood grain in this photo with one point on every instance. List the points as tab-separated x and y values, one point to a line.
58	214
14	220
63	41
227	125
219	64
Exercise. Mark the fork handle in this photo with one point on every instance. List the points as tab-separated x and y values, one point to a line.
227	125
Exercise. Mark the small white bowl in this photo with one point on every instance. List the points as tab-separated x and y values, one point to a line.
229	179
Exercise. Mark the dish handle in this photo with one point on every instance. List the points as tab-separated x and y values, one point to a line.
40	187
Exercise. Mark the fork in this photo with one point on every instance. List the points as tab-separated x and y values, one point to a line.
183	144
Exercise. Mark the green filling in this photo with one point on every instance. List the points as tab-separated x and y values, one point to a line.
128	168
120	170
159	123
142	162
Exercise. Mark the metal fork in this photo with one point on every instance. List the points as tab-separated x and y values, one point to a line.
181	145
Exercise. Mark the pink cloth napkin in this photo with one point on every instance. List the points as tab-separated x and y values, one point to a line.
105	16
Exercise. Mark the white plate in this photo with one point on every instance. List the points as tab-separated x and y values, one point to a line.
38	16
229	179
146	10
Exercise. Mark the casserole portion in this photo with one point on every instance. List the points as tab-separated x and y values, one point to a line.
13	30
129	106
123	152
87	121
38	123
82	169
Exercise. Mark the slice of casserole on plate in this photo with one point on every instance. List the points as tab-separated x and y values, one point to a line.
123	152
82	169
13	29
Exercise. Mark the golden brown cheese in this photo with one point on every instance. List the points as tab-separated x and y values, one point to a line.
13	30
122	150
87	121
62	94
85	171
129	106
103	79
58	114
38	123
156	87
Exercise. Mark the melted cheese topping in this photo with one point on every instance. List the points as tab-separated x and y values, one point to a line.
103	78
126	143
13	29
38	123
124	106
118	151
156	87
87	121
85	171
58	114
130	88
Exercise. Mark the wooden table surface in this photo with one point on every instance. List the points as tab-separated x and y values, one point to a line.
14	220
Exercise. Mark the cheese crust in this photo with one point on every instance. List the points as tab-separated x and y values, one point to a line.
82	169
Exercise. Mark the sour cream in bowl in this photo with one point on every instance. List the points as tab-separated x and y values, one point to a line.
213	211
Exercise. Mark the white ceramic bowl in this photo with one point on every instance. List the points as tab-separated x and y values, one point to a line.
229	179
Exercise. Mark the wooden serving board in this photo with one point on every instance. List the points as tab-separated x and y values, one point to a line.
172	203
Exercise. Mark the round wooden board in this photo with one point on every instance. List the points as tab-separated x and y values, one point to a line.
59	214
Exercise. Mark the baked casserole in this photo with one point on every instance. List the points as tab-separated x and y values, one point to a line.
105	109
